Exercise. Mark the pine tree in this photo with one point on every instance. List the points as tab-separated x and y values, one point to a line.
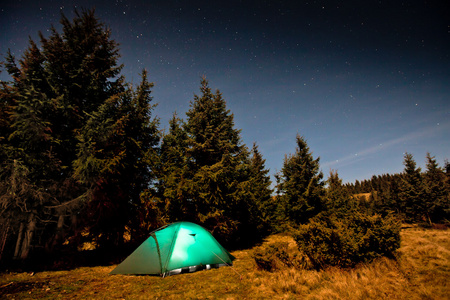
260	185
29	157
301	184
411	191
357	189
6	107
338	199
115	150
447	167
218	167
436	195
77	134
175	174
384	204
211	129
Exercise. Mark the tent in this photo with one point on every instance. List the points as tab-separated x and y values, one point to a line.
176	248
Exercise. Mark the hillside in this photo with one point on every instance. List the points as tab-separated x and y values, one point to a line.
420	272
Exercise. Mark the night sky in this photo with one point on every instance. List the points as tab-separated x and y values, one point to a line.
363	81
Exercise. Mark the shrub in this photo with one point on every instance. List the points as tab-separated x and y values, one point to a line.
279	255
345	242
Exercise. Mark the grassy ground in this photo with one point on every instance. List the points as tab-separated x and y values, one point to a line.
420	272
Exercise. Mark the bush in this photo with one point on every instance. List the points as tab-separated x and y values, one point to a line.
279	255
345	242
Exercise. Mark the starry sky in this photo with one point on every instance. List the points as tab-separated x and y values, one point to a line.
363	81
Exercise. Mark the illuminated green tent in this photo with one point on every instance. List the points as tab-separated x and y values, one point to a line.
176	248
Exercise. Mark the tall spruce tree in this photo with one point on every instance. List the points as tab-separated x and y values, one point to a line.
261	191
218	165
412	191
301	186
338	199
7	103
30	160
385	195
115	153
174	174
436	194
64	101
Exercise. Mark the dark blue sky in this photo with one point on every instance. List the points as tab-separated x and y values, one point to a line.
363	81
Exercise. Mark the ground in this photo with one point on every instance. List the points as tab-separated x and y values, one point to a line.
421	271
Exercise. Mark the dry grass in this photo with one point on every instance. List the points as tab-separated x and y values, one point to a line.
421	272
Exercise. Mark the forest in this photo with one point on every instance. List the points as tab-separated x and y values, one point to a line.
84	161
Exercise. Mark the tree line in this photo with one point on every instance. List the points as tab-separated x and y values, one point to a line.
84	159
414	195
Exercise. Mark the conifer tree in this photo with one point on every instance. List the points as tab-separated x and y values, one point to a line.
115	150
210	127
394	200
436	194
6	107
301	184
384	196
218	165
357	188
174	174
78	137
411	191
338	199
260	186
447	168
30	160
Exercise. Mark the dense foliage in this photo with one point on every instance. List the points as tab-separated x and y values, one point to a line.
414	195
300	185
206	175
345	242
76	142
279	255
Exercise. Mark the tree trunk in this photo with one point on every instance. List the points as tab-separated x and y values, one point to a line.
59	235
74	222
4	237
60	229
19	241
429	220
74	231
26	245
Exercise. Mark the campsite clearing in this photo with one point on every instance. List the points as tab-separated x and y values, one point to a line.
420	272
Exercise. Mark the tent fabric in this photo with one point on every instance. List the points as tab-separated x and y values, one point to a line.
176	248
